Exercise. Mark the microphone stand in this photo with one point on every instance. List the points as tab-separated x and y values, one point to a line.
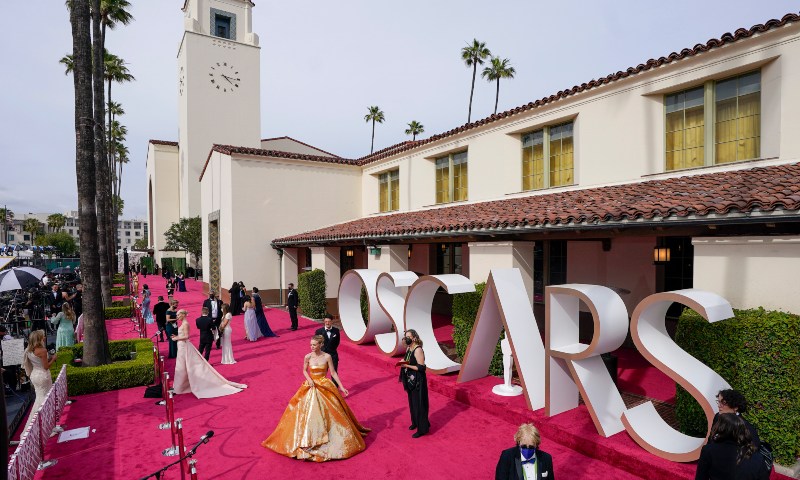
157	474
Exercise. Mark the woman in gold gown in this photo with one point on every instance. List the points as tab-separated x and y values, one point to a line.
318	425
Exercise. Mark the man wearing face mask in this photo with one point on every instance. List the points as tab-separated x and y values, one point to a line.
525	461
331	336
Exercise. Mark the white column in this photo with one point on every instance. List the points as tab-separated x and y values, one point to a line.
393	258
289	267
484	256
327	260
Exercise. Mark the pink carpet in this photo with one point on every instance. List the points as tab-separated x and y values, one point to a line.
469	426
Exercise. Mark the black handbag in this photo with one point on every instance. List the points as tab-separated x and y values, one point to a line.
411	379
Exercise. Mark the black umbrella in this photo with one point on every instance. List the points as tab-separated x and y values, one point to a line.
62	270
19	277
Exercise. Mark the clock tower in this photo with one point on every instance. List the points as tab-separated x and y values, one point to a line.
218	88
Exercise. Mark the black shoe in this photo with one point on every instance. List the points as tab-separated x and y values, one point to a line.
412	427
417	435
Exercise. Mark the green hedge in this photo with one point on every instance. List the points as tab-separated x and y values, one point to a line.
364	305
311	293
125	373
118	312
119	278
117	303
118	291
465	309
758	353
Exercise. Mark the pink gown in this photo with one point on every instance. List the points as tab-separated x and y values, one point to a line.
194	374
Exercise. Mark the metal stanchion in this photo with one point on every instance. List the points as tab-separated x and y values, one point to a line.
170	423
176	448
156	362
164	387
182	450
193	469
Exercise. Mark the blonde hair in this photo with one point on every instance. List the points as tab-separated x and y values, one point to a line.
35	339
66	308
527	431
182	311
319	339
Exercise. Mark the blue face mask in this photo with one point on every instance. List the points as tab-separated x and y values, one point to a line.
528	453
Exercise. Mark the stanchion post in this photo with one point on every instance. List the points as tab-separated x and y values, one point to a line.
176	448
181	449
193	469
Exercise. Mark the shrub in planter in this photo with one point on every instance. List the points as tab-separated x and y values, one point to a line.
125	373
465	310
758	353
118	312
118	291
311	293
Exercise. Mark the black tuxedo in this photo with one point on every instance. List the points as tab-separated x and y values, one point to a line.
56	300
509	467
206	326
291	302
218	319
331	345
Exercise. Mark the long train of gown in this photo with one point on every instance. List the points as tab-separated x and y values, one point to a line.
251	330
317	424
194	374
261	319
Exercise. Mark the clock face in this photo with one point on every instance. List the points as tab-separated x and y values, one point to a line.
181	82
224	77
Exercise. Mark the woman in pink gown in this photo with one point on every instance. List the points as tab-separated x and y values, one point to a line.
193	373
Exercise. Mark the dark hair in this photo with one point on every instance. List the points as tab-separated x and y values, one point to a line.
226	308
415	336
291	284
160	298
3	328
247	298
145	287
734	399
255	289
205	311
328	315
730	427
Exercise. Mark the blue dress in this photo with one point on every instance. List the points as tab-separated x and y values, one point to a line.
65	335
261	318
148	315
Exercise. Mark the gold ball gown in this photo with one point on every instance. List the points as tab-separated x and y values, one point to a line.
317	424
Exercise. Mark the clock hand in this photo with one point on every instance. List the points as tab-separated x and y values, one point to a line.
228	79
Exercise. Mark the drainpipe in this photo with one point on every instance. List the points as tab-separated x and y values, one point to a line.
280	273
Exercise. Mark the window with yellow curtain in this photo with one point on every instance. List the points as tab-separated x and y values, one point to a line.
443	180
452	178
685	129
389	191
737	133
533	160
561	155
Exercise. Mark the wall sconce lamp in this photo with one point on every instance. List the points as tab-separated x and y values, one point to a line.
349	252
373	250
409	250
661	253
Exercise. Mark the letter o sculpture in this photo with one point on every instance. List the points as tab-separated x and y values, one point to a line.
350	306
392	301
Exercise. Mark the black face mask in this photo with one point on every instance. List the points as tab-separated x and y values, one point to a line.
407	340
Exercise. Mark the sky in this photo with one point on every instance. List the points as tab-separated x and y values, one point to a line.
323	64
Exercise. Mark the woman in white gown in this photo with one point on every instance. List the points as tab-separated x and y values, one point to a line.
251	330
193	373
226	332
37	364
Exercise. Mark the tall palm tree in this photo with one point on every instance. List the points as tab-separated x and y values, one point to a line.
56	221
375	115
7	220
32	226
473	55
95	347
113	13
415	128
497	69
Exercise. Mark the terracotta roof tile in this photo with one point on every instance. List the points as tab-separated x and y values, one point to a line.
764	189
164	142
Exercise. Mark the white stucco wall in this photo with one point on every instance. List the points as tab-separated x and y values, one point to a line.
627	267
284	144
750	272
162	174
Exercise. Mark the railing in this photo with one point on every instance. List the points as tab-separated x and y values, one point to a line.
29	455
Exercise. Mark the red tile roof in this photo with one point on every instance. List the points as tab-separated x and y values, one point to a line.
164	142
285	137
724	39
760	189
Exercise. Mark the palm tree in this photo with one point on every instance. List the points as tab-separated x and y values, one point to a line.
56	221
474	55
95	347
68	63
375	115
497	69
33	226
415	128
7	220
113	13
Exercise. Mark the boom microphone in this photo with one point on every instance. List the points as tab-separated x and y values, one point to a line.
208	435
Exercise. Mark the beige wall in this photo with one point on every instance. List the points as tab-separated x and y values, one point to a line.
619	127
162	173
217	196
291	145
627	267
750	272
485	256
272	198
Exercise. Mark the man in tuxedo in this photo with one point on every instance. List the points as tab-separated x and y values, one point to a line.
291	304
525	461
160	312
214	307
56	299
331	336
205	325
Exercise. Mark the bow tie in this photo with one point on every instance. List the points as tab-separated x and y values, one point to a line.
532	460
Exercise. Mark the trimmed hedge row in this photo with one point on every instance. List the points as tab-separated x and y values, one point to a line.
465	310
125	373
117	303
118	312
758	353
118	278
311	293
118	291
